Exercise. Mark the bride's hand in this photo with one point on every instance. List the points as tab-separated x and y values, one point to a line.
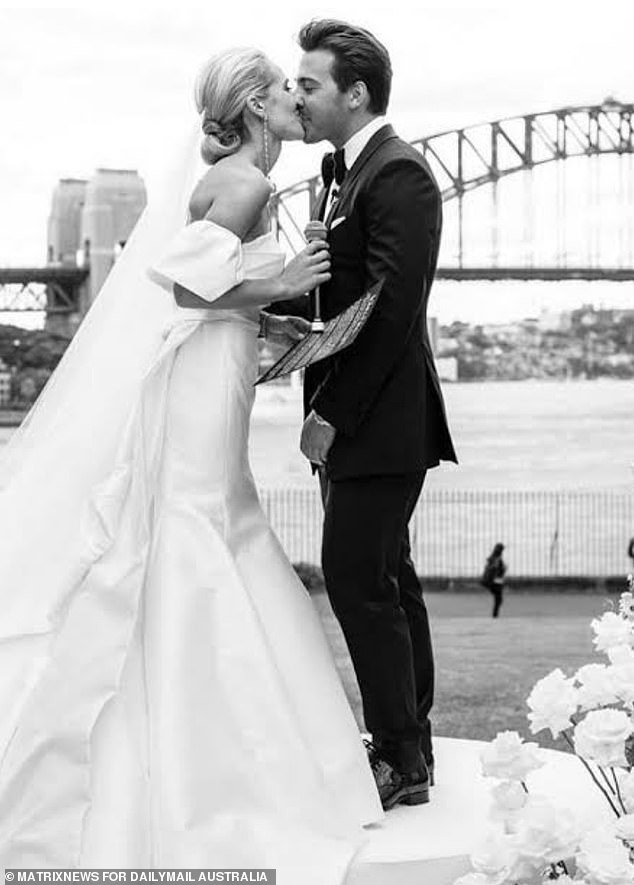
309	269
285	331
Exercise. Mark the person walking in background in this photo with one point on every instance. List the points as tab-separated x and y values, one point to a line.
493	577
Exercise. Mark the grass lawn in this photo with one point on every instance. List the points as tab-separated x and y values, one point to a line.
485	668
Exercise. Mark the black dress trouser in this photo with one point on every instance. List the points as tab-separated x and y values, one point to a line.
377	598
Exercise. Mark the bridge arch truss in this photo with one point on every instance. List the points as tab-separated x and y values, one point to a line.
467	158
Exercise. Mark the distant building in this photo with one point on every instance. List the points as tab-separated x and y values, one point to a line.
507	330
5	384
446	346
115	198
548	321
447	367
551	321
64	222
90	222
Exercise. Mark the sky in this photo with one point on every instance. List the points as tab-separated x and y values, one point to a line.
85	86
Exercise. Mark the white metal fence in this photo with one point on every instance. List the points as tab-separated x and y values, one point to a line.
546	533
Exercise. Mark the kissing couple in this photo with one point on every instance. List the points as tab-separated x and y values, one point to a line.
169	698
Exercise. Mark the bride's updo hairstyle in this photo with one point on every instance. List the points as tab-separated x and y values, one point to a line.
222	89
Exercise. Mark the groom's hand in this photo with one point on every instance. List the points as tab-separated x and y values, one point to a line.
285	330
317	438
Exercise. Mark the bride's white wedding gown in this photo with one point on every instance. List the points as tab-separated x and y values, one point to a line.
185	711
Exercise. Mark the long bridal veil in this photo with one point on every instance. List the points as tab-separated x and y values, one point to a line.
68	443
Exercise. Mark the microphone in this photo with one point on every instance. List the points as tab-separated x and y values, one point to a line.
316	230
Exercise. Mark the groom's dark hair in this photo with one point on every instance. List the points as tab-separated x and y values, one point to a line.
358	55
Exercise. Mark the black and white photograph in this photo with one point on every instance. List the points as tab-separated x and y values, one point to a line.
317	443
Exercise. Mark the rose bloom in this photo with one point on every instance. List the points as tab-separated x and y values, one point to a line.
601	736
622	678
621	655
626	785
509	758
604	860
624	827
596	686
473	879
496	858
553	701
621	673
546	834
509	797
611	630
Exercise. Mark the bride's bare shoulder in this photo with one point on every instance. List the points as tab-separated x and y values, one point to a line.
239	182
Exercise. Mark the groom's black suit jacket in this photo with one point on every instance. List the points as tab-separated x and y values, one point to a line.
382	393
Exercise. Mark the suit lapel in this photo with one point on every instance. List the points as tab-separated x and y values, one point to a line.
384	134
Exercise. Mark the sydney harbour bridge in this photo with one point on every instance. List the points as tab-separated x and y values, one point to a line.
480	157
505	218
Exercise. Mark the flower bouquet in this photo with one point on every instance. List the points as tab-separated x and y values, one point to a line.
530	839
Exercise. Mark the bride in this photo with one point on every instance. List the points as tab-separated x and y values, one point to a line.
168	698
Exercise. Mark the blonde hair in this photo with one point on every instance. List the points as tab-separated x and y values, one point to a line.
222	89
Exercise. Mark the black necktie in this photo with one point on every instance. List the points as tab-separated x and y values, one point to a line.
333	167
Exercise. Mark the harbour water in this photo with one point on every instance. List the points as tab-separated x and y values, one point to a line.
534	435
545	466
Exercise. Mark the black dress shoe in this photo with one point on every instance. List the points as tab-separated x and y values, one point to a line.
397	787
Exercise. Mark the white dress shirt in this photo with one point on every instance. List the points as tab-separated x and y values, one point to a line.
352	151
355	144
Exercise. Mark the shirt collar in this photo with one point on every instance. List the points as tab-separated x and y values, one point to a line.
355	144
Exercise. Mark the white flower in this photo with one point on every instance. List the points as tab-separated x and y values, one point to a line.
611	630
621	655
509	797
621	673
601	736
624	827
604	860
626	604
553	700
626	786
509	758
596	686
623	681
496	858
546	834
567	880
473	879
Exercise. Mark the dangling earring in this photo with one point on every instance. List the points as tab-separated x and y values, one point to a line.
265	137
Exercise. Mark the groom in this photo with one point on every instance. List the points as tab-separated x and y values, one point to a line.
375	414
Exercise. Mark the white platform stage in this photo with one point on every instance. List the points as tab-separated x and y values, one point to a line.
430	844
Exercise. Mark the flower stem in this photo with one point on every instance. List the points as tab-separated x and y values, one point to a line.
524	787
606	779
591	773
618	791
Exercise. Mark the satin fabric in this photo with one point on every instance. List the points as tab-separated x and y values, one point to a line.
183	709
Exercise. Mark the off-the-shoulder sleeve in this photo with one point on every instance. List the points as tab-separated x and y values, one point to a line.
204	258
